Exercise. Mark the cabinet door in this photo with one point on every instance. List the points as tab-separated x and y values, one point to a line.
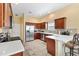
6	15
43	25
60	23
50	46
45	36
40	25
1	14
37	25
37	36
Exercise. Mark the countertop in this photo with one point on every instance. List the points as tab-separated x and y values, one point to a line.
63	38
44	33
11	47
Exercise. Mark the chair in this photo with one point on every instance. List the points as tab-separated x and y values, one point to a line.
73	45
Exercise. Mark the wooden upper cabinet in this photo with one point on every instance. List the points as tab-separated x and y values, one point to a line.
40	25
60	23
37	25
43	25
5	14
1	14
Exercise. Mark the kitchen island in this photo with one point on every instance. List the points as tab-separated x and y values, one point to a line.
11	48
55	44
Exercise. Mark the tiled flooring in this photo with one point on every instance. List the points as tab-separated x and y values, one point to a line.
36	48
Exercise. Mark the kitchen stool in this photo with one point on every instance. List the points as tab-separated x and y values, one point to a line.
73	45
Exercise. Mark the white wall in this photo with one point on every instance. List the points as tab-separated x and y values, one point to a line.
16	30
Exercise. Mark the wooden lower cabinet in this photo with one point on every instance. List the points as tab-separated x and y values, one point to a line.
18	54
45	36
50	46
37	35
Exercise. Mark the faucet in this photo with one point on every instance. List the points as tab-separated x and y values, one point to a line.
7	36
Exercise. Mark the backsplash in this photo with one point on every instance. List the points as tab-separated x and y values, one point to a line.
68	31
0	30
15	31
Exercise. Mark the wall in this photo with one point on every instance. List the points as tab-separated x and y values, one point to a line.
15	31
72	14
22	28
18	28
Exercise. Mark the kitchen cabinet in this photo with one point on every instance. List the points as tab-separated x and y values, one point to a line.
45	37
43	25
37	35
1	15
60	23
7	15
4	14
50	46
39	26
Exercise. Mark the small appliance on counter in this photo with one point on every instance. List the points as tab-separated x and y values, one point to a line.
70	31
65	33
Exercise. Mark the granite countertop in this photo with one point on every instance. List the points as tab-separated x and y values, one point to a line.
63	38
11	47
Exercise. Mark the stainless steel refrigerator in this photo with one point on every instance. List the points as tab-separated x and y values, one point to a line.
29	33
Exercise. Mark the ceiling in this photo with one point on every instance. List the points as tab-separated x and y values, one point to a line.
36	9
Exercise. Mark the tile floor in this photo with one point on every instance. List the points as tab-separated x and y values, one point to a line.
36	48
